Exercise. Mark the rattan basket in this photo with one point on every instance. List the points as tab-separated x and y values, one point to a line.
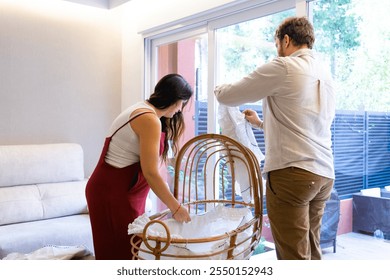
207	172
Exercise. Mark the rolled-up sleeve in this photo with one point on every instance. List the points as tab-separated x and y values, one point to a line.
259	84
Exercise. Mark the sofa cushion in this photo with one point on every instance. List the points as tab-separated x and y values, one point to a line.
63	199
45	163
43	201
27	237
20	204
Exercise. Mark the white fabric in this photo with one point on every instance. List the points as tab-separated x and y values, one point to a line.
63	199
20	204
27	237
375	192
42	201
233	124
45	163
42	198
52	253
124	146
298	98
215	222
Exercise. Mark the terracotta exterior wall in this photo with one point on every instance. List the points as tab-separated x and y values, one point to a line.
179	57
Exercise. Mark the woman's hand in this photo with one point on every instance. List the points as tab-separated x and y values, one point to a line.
181	214
252	117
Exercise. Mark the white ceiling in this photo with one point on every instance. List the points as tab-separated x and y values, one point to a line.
105	4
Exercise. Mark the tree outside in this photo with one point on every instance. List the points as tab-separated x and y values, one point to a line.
244	46
354	36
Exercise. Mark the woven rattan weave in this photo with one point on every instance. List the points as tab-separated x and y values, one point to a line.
206	174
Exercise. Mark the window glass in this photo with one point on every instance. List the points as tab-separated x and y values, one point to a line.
351	35
188	57
244	46
354	38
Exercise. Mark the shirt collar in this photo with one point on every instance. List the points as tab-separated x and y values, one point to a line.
304	51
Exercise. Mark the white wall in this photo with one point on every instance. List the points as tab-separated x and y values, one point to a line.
141	15
60	74
67	70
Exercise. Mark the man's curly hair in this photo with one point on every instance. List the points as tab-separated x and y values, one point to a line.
299	29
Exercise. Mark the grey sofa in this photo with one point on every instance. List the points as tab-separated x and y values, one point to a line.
42	198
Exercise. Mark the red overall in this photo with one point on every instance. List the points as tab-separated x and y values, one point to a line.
115	197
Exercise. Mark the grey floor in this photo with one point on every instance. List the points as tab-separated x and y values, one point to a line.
349	246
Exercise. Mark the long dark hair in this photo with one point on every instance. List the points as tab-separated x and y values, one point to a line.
169	90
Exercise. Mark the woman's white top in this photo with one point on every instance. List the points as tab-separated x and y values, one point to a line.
123	149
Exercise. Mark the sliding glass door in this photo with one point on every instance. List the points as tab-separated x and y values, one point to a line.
185	54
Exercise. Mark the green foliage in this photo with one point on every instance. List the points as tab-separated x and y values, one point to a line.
338	26
261	248
354	36
246	45
351	35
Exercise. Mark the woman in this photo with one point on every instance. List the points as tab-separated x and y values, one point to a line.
129	166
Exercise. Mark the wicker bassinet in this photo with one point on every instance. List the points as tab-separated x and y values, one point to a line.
206	177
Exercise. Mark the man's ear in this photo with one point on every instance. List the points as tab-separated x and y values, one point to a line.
287	40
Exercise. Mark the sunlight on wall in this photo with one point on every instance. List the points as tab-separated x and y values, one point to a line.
60	73
57	9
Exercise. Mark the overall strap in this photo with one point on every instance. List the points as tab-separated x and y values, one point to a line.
132	118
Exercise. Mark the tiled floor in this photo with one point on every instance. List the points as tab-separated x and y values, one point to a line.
350	246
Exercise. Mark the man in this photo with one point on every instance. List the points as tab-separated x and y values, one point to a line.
298	109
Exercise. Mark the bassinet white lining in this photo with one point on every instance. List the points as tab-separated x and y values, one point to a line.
215	222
